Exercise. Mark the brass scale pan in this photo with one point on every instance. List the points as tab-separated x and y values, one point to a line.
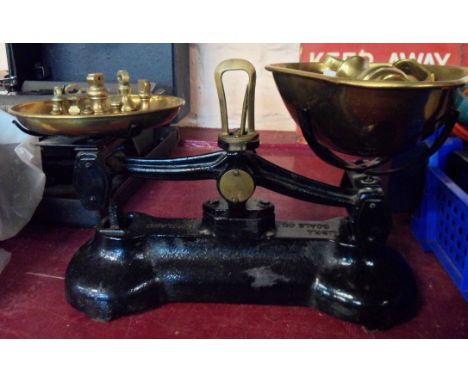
106	114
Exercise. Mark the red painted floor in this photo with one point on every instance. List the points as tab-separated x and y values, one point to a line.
32	303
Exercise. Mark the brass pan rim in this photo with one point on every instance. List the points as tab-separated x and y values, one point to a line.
175	102
294	68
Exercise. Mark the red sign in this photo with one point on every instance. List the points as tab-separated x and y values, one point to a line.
465	54
429	54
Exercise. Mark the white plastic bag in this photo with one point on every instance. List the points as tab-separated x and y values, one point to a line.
21	178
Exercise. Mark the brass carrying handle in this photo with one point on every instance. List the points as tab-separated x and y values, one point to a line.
73	90
248	107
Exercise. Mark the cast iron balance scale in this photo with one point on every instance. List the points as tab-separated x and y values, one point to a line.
238	252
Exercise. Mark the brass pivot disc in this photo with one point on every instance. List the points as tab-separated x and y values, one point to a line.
236	186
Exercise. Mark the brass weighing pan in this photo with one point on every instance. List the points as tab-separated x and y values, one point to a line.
367	117
36	117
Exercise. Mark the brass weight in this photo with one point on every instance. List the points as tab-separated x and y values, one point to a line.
97	93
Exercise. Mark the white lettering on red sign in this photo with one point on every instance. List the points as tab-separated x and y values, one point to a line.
426	58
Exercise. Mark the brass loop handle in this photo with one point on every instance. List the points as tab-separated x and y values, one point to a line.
72	90
123	77
248	108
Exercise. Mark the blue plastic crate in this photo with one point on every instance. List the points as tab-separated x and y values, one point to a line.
441	222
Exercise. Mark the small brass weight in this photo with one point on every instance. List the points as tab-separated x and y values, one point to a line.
96	100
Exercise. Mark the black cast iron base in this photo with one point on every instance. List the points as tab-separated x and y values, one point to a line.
156	261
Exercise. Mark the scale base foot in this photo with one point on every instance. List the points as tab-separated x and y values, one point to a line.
116	275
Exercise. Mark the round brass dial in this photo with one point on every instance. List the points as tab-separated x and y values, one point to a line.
236	186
